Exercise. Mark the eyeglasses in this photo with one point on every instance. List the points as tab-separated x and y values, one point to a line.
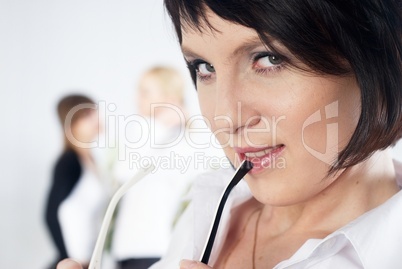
243	169
96	258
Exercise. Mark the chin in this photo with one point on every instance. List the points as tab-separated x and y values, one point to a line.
277	188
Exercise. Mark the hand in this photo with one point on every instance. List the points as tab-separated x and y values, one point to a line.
68	264
186	264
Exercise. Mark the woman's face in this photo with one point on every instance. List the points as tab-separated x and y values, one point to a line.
290	123
86	128
149	93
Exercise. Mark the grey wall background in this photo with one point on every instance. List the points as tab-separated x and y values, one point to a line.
48	48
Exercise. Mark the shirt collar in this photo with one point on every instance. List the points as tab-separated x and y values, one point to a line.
373	240
376	235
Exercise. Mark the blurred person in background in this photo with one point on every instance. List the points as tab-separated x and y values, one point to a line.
77	196
147	212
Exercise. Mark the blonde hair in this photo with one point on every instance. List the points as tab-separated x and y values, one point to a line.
170	81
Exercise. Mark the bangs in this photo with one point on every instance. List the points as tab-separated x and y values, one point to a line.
81	104
193	15
272	20
84	112
188	15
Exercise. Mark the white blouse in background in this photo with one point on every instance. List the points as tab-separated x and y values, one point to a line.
144	222
80	215
372	241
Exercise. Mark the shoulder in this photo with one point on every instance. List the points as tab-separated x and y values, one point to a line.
68	162
386	219
182	244
398	171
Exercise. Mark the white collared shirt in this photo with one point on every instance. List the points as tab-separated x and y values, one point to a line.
372	241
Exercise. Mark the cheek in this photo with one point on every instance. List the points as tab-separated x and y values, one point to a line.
86	129
95	126
207	106
322	113
77	130
331	120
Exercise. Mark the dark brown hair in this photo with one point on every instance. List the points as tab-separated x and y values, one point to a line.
65	105
324	35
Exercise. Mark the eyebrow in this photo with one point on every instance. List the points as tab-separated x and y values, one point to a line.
244	47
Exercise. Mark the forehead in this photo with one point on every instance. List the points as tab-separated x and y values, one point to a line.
218	34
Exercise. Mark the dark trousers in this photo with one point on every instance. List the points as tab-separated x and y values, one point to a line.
144	263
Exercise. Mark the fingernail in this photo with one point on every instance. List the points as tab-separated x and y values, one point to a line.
187	264
68	264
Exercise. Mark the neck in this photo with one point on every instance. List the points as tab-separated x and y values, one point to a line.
171	118
357	190
83	152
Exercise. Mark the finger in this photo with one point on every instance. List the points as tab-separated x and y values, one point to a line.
187	264
68	264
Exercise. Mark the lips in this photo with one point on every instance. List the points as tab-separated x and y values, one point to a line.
262	158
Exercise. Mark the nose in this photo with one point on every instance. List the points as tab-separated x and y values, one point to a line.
234	109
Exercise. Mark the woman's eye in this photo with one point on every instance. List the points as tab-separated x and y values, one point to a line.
201	70
268	61
205	69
